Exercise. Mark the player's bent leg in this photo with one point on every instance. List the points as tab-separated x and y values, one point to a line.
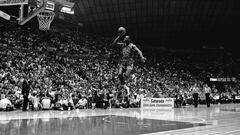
128	71
127	89
120	70
120	75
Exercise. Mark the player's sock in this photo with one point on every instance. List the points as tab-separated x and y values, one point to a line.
127	89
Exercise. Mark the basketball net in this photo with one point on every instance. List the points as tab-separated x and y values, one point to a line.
44	19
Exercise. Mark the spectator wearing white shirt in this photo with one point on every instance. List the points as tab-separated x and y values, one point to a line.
71	103
5	104
138	97
82	103
134	102
65	103
46	103
35	101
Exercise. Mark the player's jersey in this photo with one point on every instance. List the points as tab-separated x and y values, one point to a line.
127	53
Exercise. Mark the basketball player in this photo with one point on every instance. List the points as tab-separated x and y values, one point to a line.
127	61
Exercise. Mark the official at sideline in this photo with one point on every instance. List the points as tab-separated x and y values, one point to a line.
207	91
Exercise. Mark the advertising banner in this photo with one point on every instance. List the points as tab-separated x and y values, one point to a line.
157	103
12	2
237	97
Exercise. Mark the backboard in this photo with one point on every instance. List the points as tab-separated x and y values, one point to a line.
37	6
13	2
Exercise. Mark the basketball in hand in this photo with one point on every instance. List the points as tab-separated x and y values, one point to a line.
121	31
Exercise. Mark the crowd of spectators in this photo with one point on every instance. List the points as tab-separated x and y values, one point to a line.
70	70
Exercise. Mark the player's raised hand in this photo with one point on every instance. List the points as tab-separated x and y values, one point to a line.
121	31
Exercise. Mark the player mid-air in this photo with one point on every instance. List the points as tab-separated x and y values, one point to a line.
127	59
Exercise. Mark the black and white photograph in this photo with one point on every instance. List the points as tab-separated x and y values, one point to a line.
119	67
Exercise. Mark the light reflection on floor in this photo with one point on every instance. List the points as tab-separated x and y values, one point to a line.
116	121
90	125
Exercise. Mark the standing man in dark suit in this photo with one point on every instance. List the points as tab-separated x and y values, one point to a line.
25	93
207	91
105	98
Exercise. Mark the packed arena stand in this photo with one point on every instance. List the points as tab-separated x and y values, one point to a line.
71	70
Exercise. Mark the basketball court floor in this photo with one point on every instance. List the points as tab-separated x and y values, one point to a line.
217	120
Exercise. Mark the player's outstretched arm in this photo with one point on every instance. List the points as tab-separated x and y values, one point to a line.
115	40
139	52
121	32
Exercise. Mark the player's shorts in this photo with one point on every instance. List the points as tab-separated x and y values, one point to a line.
126	62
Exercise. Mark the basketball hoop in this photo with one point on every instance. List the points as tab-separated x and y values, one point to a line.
44	19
